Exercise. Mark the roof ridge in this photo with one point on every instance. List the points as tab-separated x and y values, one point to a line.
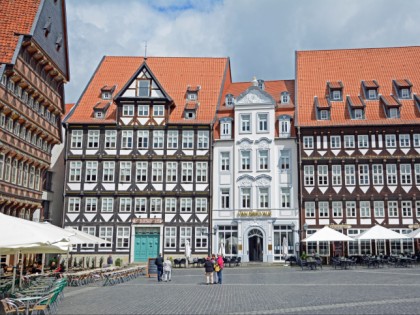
360	48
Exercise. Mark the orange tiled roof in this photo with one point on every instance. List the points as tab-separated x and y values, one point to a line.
173	73
355	101
403	83
389	100
351	66
17	17
191	105
102	105
371	84
322	102
335	85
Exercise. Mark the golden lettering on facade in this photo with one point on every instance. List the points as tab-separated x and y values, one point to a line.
147	221
254	213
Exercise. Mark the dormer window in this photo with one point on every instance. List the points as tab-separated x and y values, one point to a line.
261	84
371	94
391	106
100	109
229	100
284	97
189	114
190	111
226	128
58	42
370	89
106	95
192	96
335	90
99	114
356	107
47	28
284	126
106	92
403	88
323	107
336	95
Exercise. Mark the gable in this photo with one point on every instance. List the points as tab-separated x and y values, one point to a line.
254	95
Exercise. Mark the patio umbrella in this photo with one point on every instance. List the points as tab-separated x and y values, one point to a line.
187	252
414	234
285	247
327	234
378	232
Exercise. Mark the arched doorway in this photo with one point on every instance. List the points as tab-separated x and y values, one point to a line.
255	245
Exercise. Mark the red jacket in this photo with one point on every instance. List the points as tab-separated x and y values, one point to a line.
220	262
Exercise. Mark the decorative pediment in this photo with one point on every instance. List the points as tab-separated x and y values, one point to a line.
245	144
263	181
254	95
245	181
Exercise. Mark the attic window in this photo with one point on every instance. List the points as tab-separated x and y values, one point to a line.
58	43
229	100
370	89
335	90
144	88
192	96
323	107
403	88
106	95
284	97
47	28
261	84
99	114
391	106
190	114
356	107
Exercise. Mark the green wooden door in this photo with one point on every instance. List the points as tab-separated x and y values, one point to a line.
146	246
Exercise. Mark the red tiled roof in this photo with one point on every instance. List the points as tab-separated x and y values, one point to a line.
371	84
194	88
351	66
102	105
335	85
355	101
389	100
173	73
322	102
403	83
17	16
191	105
108	88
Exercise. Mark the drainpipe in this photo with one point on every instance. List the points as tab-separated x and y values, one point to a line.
300	227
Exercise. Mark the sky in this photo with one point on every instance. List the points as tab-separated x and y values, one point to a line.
259	36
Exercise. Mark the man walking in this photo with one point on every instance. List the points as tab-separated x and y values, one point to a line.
159	264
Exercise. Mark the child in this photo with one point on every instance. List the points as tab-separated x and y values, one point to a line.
167	270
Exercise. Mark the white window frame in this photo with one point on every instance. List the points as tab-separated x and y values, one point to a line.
141	171
125	204
364	175
406	209
172	142
201	237
106	233
91	230
185	205
128	110
187	139
378	174
127	139
391	141
225	198
337	209
108	171
308	142
245	156
158	110
185	233
110	139
323	209
155	205
379	209
143	139
351	209
75	171
91	171
143	110
170	237
245	123
125	171
107	204
322	175
187	172
201	172
263	198
157	172
76	139
245	198
140	204
263	159
224	161
335	142
201	205
171	172
93	139
391	174
363	141
349	142
404	140
393	211
309	175
73	204
262	122
365	209
309	209
123	237
203	139
170	204
158	139
336	178
91	204
405	174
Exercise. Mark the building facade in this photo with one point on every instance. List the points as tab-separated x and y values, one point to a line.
255	180
359	142
138	156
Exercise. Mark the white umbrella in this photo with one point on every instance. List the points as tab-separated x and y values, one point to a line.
187	252
222	250
327	234
414	234
378	232
285	247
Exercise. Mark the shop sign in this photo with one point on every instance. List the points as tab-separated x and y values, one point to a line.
147	221
414	226
340	226
254	214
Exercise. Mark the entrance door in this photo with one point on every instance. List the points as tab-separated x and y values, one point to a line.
255	245
146	246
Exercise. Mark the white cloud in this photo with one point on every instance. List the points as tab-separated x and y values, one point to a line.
260	37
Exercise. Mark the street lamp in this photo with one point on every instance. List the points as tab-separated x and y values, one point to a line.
210	238
299	244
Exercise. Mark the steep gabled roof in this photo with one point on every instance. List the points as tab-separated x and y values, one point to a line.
174	74
314	69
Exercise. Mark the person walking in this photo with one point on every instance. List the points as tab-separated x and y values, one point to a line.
209	268
167	270
220	265
159	264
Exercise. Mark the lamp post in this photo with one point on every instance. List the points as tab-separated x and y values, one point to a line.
210	237
298	245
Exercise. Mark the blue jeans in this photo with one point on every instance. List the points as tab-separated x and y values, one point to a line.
219	276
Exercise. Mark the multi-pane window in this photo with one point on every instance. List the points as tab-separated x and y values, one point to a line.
186	205
170	204
308	142
91	204
76	139
108	171
323	209
336	175
144	88
335	142
285	200
140	204
224	161
128	110
225	128
337	207
125	171
405	174
225	198
416	140
141	172
158	110
363	141
363	174
245	198
262	159
143	110
309	209
391	174
201	172
187	139
245	160
200	205
170	237
349	142
172	139
245	123
142	139
284	128
91	171
393	208
110	139
157	171
308	175
285	161
322	175
74	204
390	141
75	171
107	204
158	139
378	174
263	196
184	235
406	208
351	209
155	204
187	172
91	230
93	139
106	233
171	171
123	237
378	209
404	141
364	209
262	122
125	204
201	237
418	209
127	139
203	139
417	173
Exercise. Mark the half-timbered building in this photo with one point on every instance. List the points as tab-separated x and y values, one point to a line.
255	180
358	125
138	155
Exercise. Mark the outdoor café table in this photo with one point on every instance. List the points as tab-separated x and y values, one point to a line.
346	263
27	299
405	261
311	263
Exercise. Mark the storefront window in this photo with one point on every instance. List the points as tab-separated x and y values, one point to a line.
229	235
282	233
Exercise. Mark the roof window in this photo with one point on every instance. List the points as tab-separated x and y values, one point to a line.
403	88
261	84
391	106
335	90
106	92
323	108
229	100
356	107
370	89
284	97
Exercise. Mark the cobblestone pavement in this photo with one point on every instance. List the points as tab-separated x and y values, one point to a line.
256	290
